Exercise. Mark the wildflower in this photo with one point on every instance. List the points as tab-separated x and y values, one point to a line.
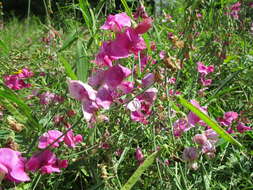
139	155
81	91
12	165
46	162
144	26
190	154
235	9
49	137
192	118
71	140
179	127
241	127
148	80
202	69
228	118
117	22
162	54
140	12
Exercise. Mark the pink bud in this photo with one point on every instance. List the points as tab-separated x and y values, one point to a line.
138	155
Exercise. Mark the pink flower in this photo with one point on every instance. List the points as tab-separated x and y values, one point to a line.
200	139
12	165
46	162
192	118
172	80
71	140
241	127
81	91
15	83
49	137
139	155
205	82
134	105
162	54
228	118
116	22
48	97
202	69
25	73
144	26
89	108
179	127
126	87
104	97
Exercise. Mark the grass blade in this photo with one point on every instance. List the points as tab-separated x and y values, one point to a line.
140	170
127	9
218	129
68	69
4	48
82	65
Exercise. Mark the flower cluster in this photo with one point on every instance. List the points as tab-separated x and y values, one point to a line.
16	81
204	71
108	83
234	10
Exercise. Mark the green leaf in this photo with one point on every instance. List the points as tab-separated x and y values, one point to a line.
68	69
82	64
4	48
127	9
218	129
69	41
84	6
140	170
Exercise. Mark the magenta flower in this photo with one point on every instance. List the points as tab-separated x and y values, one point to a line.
241	127
12	165
15	83
25	73
48	97
140	12
228	118
139	155
117	22
71	140
49	137
162	54
202	69
46	162
89	108
104	97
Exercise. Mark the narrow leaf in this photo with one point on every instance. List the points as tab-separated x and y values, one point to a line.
140	170
68	69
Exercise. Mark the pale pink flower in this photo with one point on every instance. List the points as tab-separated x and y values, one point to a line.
162	54
81	91
228	118
117	22
49	137
12	165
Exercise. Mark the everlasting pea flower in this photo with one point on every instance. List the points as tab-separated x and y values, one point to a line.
71	140
162	54
46	162
202	69
25	73
190	154
140	12
89	108
241	127
228	118
192	118
12	165
15	83
179	127
104	97
49	137
117	22
81	91
144	26
148	80
139	155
